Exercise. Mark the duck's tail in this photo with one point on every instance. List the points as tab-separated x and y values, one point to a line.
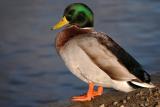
135	84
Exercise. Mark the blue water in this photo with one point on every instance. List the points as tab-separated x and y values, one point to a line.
31	72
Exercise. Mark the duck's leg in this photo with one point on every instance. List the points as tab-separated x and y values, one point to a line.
98	92
86	97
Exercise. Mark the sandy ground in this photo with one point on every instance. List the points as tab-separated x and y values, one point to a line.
138	98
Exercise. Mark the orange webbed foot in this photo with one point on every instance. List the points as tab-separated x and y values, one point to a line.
81	98
98	92
90	94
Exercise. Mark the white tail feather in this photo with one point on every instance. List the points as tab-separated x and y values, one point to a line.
145	85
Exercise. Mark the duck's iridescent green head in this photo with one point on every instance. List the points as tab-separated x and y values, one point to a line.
76	14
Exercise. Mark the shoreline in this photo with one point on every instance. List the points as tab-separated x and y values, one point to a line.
138	98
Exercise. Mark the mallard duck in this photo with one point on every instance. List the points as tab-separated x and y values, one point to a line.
94	57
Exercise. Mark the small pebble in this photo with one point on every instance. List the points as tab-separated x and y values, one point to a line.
128	97
102	105
137	94
124	101
141	105
122	106
147	99
142	98
155	94
141	92
115	103
146	104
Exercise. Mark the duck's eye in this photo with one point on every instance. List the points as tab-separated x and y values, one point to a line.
71	12
69	15
81	17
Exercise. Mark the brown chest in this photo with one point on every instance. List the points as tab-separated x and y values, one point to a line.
67	34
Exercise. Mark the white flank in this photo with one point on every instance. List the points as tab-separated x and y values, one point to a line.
122	86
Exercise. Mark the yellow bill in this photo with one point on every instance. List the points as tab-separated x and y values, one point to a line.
61	23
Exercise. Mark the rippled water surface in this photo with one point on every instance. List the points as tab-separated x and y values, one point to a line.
31	72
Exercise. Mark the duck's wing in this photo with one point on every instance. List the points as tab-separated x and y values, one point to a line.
113	59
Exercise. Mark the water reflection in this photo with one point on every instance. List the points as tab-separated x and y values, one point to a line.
31	71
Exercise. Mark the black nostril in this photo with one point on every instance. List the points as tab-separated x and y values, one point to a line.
51	28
